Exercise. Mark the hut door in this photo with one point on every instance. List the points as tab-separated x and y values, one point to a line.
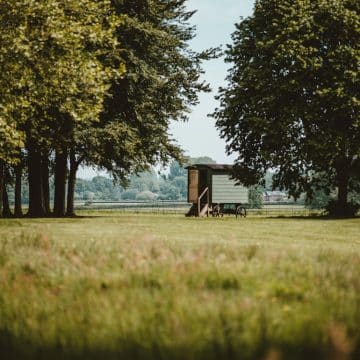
193	186
203	183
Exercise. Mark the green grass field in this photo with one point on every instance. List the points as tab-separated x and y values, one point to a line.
132	286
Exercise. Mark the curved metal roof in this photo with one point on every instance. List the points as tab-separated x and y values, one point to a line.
210	166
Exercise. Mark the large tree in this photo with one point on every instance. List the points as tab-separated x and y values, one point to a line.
162	78
13	106
161	82
54	77
292	99
64	65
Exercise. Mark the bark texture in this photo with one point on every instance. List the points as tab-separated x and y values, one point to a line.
36	194
71	184
45	183
1	186
6	211
18	184
60	183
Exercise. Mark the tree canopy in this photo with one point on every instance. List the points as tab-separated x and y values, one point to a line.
52	78
161	82
292	99
94	82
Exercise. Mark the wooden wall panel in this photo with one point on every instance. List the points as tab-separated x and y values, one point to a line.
193	186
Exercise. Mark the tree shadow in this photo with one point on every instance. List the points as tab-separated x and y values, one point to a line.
15	348
314	217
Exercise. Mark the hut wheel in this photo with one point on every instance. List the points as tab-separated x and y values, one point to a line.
240	211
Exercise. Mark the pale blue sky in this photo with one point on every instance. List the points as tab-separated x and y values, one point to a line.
215	21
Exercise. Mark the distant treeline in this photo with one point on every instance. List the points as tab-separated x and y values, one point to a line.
170	185
146	186
149	185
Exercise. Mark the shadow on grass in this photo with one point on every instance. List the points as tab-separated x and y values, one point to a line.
313	217
12	348
115	216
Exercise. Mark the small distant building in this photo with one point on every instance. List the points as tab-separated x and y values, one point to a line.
274	196
210	185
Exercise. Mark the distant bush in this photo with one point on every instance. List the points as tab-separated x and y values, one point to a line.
129	194
146	195
89	195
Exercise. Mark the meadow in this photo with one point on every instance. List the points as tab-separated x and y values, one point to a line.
110	285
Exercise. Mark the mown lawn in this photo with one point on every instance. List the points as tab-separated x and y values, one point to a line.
117	286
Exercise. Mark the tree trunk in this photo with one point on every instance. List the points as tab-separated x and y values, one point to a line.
36	195
71	184
60	183
45	183
6	212
2	166
343	190
18	180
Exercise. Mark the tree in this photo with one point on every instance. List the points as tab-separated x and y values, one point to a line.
160	84
129	194
67	100
180	182
55	62
176	170
162	77
13	107
292	100
169	191
201	160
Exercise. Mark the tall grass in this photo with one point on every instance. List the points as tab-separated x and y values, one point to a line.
165	287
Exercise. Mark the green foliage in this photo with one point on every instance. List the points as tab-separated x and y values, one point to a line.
292	100
354	196
52	65
146	196
201	160
169	191
255	197
176	170
129	194
319	200
64	88
150	287
56	64
102	189
11	140
326	200
148	180
160	84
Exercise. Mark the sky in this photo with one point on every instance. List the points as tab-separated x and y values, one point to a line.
215	22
